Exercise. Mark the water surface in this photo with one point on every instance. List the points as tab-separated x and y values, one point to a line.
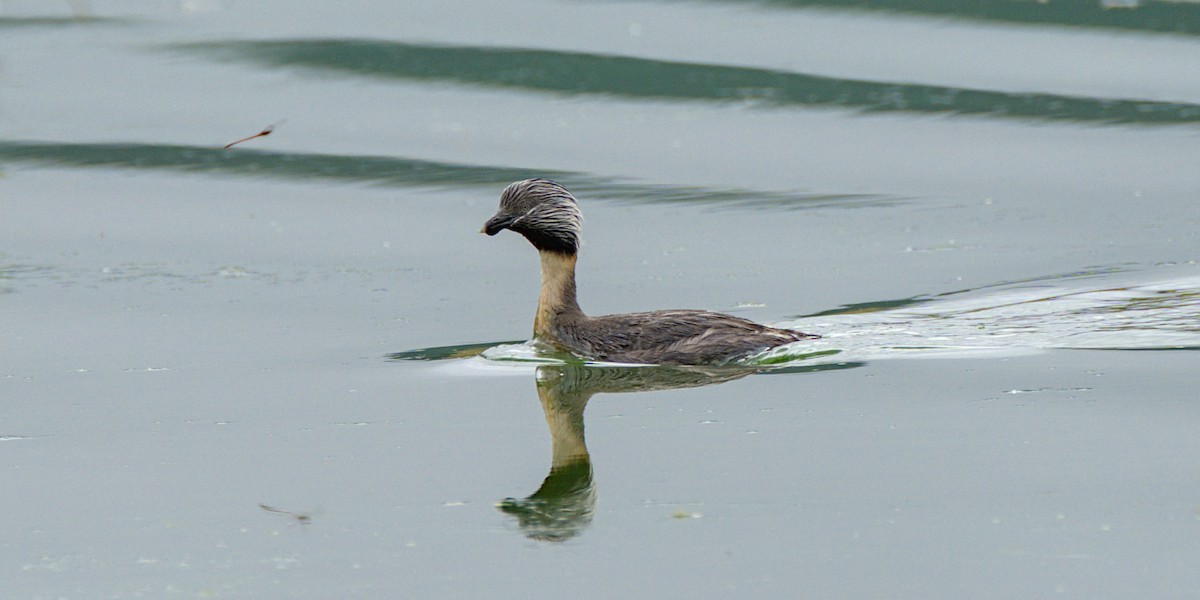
988	211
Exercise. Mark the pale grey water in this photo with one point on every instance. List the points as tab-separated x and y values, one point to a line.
190	333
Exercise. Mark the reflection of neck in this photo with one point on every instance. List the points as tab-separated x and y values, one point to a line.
564	417
557	298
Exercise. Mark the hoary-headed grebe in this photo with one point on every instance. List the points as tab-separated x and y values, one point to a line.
548	216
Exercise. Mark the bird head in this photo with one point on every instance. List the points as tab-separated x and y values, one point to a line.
542	211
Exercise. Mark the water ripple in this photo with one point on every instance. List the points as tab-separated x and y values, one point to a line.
1157	315
397	171
579	73
1128	15
59	22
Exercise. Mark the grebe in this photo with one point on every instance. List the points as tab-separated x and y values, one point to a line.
548	216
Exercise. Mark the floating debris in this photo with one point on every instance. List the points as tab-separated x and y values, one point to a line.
303	519
264	133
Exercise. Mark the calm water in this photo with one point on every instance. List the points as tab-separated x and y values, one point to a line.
990	213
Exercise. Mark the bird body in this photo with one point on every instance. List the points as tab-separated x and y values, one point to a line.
548	216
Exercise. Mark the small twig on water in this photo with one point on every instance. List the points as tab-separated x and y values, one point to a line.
300	518
265	132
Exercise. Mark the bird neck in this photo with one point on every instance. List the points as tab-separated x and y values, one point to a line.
556	301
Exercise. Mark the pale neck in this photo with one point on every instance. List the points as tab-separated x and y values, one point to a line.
557	298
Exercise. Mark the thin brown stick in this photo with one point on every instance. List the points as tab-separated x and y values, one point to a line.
265	132
301	518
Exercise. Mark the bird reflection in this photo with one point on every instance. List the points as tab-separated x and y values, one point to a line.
562	507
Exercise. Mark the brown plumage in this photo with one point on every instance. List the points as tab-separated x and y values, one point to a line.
548	216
